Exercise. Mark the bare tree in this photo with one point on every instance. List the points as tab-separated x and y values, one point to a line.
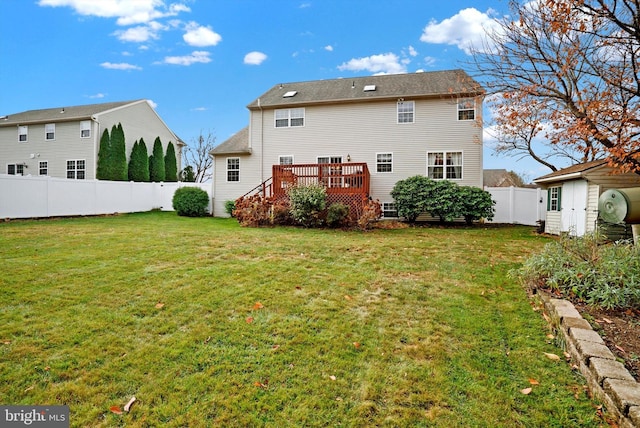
568	71
196	155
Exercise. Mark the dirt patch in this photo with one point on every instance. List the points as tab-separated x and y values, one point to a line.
621	332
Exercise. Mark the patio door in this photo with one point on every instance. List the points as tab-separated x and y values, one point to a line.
331	175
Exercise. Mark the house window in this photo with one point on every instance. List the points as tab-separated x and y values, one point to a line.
405	111
554	198
466	109
384	162
43	168
76	169
389	210
286	118
233	169
15	169
285	160
85	129
441	165
22	133
50	131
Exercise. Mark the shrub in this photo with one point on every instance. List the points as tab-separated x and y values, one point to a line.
156	162
410	196
338	215
607	276
252	211
190	202
371	213
229	207
444	200
475	204
170	164
307	203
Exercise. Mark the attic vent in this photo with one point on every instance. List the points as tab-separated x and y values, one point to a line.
289	94
369	88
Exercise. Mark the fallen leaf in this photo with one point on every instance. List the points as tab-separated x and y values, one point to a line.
607	320
546	317
534	382
526	391
552	357
550	336
274	347
249	320
357	345
332	377
298	287
159	305
116	409
619	348
6	342
346	296
257	306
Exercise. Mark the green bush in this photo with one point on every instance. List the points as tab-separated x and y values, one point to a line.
444	201
338	215
307	204
229	207
156	162
410	196
476	204
607	276
190	202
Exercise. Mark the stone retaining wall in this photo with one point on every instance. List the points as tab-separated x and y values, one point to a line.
608	379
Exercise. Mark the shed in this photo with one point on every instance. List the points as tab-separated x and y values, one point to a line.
573	193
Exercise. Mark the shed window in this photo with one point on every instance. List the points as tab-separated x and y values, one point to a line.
554	198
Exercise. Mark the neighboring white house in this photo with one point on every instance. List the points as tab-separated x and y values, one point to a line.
573	193
398	125
64	141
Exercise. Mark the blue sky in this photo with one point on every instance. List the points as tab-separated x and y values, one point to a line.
201	62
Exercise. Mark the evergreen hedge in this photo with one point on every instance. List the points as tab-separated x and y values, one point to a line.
170	164
156	162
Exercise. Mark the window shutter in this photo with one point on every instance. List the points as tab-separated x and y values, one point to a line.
549	199
559	198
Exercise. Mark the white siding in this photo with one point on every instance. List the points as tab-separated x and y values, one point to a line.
592	206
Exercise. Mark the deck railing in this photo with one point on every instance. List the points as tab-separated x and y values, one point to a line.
338	178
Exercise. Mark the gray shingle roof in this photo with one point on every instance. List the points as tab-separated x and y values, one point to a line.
60	114
238	143
393	86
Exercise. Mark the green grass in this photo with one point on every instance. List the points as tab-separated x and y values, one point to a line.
408	327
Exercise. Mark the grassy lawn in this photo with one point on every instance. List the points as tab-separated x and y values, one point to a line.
211	324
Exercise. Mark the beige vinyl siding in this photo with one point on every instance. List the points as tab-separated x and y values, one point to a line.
67	145
593	194
362	130
552	222
230	191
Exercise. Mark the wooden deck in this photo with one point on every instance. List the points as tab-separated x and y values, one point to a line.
337	178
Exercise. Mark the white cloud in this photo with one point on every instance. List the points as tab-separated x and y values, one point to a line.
429	61
254	58
199	109
466	29
195	57
328	48
305	5
412	51
127	12
141	33
153	104
98	95
198	35
119	66
388	63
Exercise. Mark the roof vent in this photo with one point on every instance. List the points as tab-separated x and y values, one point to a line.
369	88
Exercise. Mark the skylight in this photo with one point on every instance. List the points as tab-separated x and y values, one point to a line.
369	88
289	94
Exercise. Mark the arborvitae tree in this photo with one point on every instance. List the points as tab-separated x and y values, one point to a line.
170	164
144	161
156	162
132	162
139	162
119	154
103	157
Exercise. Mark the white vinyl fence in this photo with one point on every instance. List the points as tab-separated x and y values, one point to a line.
518	205
34	197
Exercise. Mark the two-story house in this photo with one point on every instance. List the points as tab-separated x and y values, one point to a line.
64	142
374	130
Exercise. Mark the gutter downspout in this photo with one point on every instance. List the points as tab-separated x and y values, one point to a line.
261	142
96	139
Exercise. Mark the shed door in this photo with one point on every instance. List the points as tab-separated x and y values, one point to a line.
574	207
